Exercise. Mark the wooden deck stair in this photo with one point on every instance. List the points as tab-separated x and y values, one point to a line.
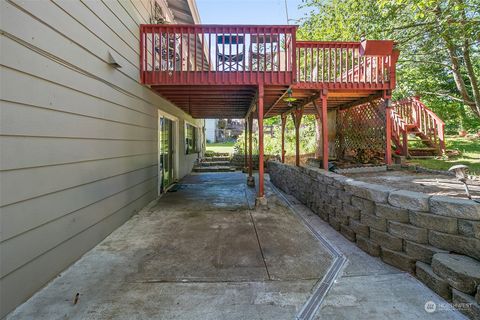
416	130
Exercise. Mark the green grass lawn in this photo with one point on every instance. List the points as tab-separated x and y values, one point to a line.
469	155
222	147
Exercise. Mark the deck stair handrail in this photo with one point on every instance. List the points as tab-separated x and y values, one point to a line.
411	117
399	132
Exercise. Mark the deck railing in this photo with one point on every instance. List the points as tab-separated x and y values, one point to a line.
341	64
411	113
220	54
241	54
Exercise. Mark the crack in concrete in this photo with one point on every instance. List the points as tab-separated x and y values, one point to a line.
259	245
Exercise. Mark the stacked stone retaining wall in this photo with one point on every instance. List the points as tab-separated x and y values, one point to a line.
419	233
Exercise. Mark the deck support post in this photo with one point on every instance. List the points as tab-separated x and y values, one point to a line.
261	193
324	130
404	143
388	131
284	122
318	133
245	160
250	179
322	114
297	120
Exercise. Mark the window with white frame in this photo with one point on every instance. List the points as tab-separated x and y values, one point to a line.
191	139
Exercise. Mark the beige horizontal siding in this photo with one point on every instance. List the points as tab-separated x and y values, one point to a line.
18	285
47	94
78	138
34	182
28	245
27	215
19	152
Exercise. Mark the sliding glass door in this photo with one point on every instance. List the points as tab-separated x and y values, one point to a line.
166	153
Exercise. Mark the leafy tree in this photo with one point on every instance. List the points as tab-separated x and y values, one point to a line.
273	144
439	42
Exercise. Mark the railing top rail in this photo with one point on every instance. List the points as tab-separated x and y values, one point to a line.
304	44
417	101
222	26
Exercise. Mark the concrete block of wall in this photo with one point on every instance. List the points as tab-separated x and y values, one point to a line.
391	213
398	259
408	232
425	273
434	222
455	207
386	240
409	200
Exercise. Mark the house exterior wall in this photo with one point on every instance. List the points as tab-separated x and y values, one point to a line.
78	137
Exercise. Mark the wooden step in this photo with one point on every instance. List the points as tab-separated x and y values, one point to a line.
213	163
416	139
423	149
411	127
422	157
214	169
215	158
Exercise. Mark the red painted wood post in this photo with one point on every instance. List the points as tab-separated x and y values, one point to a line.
441	137
324	131
318	132
245	162
250	161
297	120
405	142
284	122
142	48
388	131
260	141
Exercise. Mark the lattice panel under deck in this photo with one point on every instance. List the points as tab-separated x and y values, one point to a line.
361	132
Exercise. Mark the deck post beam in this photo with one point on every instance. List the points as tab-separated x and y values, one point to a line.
388	128
297	120
261	200
284	122
245	160
324	130
250	179
323	114
318	132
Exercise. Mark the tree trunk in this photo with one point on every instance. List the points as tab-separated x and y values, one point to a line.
457	76
473	79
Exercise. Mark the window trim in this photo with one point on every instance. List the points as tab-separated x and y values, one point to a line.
196	134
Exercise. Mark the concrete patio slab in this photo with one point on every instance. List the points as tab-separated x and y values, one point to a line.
199	253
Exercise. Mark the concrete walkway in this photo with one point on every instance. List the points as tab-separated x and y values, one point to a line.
202	253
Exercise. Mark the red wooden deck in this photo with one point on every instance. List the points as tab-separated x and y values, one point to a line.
213	71
239	71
